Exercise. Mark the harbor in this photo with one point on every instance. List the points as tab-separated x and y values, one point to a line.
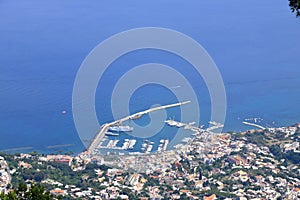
102	139
112	142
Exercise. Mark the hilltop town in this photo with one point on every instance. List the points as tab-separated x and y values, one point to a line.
256	164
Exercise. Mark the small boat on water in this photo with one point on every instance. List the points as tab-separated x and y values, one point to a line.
149	148
121	128
111	134
131	144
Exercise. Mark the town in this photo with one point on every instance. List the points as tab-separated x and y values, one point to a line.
256	164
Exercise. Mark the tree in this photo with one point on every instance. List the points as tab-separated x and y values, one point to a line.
35	192
295	7
275	150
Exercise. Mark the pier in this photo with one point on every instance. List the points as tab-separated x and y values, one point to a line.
104	128
190	126
256	125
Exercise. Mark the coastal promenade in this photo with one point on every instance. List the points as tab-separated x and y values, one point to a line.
104	128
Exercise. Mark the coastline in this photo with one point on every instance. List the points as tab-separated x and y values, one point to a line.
67	148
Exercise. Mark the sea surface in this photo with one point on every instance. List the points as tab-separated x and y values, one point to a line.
43	44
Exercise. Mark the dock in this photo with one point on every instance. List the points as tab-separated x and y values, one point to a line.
105	127
256	125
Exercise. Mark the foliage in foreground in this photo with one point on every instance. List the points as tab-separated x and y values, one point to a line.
295	7
35	192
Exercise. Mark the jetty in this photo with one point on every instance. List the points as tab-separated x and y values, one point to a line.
256	125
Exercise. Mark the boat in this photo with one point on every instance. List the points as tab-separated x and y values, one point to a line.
165	145
149	148
121	128
125	145
179	125
144	145
159	148
115	143
171	122
111	134
131	144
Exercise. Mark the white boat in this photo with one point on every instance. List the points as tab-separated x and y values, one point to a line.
165	145
159	149
131	144
121	128
125	145
111	134
144	145
149	148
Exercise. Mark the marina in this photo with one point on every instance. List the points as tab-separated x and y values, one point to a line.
110	138
147	146
113	128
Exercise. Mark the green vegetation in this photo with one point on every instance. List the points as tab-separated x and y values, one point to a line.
290	156
35	192
59	172
250	164
295	6
257	138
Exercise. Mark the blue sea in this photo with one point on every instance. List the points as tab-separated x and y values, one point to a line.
43	44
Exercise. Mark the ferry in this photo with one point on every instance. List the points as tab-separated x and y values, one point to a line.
121	128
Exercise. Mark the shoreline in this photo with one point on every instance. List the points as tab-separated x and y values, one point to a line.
53	149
